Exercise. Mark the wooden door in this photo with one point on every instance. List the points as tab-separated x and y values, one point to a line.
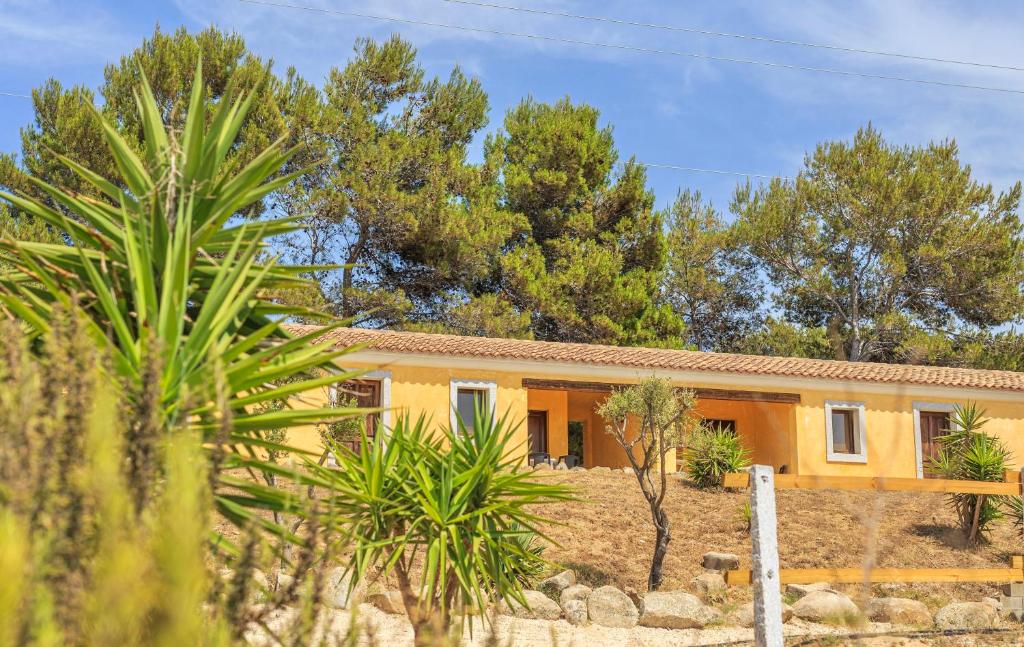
537	427
933	425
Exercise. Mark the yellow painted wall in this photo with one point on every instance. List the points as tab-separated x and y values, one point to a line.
764	428
427	391
889	430
777	434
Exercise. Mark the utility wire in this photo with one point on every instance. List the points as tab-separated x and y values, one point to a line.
641	50
723	34
17	96
714	171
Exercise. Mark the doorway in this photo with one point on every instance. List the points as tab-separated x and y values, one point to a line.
537	428
934	424
576	428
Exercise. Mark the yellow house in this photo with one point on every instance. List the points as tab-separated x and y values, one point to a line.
800	416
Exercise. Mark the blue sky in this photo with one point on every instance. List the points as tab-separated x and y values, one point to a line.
664	109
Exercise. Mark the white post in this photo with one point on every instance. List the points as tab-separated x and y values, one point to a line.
767	597
1022	495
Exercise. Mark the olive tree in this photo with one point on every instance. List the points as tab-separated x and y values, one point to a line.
649	420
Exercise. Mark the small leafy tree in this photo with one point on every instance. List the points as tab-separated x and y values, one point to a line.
448	513
661	413
711	452
968	453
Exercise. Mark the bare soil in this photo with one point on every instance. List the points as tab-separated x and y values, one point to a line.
607	534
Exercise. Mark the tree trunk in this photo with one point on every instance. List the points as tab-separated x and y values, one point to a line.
663	536
978	502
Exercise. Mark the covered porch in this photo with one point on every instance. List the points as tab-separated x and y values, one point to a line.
563	423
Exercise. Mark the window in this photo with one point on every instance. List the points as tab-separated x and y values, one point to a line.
467	396
371	391
718	423
844	426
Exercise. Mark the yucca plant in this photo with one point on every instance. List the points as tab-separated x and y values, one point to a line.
712	452
173	289
966	452
445	512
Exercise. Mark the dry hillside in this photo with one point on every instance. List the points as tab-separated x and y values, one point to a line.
608	533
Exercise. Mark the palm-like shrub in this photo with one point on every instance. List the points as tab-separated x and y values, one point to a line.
966	452
711	452
444	511
173	290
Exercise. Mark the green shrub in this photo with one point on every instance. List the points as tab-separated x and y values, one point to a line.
710	453
968	453
445	512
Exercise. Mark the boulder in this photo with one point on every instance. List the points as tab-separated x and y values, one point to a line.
387	601
720	561
966	615
336	588
797	591
539	607
562	467
610	607
558	583
575	612
710	585
578	592
676	610
992	602
900	611
827	606
744	615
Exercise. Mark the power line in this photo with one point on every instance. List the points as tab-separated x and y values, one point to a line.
641	50
17	96
714	171
723	34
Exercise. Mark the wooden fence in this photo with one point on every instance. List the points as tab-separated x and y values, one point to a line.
767	577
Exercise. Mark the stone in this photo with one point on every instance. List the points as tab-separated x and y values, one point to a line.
562	467
260	579
744	615
709	585
387	601
575	612
610	607
1009	604
578	468
627	470
578	592
900	611
676	610
560	582
965	615
538	607
600	468
284	581
992	602
542	466
1014	590
827	606
720	561
797	591
636	597
336	585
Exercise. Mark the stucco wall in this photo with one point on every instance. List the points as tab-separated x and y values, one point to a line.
764	428
555	403
427	391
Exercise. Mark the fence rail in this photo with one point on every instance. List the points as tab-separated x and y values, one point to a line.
885	484
766	576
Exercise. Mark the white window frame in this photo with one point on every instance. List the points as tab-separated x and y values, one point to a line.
937	407
384	377
860	420
490	387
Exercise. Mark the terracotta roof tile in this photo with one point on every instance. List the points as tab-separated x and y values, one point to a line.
676	360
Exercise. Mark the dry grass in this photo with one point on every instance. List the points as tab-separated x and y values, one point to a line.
610	532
